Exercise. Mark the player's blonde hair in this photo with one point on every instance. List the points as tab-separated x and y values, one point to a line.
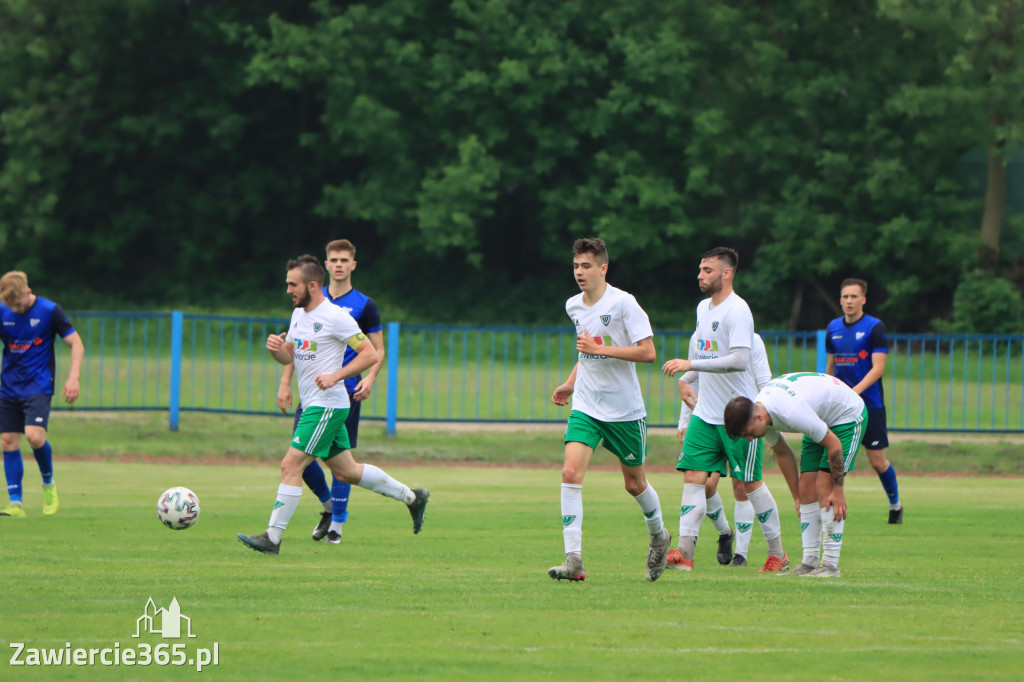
341	245
13	286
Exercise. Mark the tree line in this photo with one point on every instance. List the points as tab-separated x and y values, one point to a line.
176	152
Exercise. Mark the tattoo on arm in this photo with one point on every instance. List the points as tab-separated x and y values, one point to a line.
835	465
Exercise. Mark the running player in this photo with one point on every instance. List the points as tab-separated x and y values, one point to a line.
316	342
831	417
857	349
30	324
613	333
341	261
725	336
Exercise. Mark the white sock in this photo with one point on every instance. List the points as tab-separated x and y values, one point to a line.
287	502
572	517
651	507
691	513
767	513
832	538
336	526
377	480
327	505
716	512
743	514
810	533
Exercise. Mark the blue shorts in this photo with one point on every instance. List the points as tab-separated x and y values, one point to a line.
17	413
351	424
875	435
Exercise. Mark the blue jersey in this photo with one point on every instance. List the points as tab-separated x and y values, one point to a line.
852	346
28	359
364	311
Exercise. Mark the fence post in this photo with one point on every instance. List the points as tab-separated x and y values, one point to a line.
822	355
177	324
392	407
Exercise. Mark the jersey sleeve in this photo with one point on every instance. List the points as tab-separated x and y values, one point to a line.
829	347
805	420
879	342
771	436
638	325
60	323
369	321
759	360
741	328
345	326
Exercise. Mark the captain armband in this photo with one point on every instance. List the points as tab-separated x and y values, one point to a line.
355	341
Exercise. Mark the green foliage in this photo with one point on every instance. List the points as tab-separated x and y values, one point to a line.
985	303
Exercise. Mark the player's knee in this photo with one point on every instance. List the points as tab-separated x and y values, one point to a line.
635	487
572	474
36	440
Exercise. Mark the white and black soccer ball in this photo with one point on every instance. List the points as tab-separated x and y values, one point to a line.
178	508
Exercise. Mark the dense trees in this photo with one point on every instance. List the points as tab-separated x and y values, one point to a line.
159	153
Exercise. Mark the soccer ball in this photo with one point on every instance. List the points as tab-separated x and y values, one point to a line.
178	508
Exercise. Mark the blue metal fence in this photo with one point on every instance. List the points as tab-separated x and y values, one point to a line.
181	362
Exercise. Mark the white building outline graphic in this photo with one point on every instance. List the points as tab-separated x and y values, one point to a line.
169	621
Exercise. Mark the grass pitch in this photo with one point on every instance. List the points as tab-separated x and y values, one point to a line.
468	598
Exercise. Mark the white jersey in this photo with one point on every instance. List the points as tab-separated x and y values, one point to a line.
808	403
607	389
758	365
721	329
320	339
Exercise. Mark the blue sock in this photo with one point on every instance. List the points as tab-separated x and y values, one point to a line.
14	469
892	489
317	482
44	458
339	501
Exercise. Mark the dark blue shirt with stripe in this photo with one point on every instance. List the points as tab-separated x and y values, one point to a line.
852	346
29	363
364	311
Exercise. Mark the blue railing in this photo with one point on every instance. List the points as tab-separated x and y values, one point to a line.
182	362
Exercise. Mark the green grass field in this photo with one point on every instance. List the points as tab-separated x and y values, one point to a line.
468	598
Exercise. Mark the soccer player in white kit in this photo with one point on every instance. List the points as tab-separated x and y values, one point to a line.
832	418
315	342
613	333
725	335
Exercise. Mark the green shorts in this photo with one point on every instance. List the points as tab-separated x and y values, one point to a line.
813	456
321	432
626	440
709	448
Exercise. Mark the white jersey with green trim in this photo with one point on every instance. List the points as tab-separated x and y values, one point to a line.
607	389
719	330
758	365
808	403
319	337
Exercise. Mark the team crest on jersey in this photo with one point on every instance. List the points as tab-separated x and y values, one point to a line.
606	319
860	335
317	327
34	321
714	326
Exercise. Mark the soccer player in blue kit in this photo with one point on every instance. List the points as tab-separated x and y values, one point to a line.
857	348
30	324
341	261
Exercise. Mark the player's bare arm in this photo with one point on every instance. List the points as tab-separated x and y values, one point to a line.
830	365
877	370
564	392
71	386
687	394
837	474
787	465
365	385
281	350
284	389
364	359
642	351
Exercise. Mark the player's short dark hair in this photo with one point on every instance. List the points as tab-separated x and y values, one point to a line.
850	281
731	258
341	245
310	268
738	412
591	245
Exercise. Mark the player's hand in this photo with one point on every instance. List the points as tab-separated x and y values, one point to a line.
562	394
687	394
363	389
585	343
284	398
325	381
837	501
673	367
275	342
682	435
71	390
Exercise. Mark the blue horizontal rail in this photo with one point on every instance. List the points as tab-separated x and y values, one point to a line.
188	362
